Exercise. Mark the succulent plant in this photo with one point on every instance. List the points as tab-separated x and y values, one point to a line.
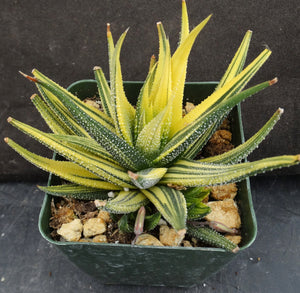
129	155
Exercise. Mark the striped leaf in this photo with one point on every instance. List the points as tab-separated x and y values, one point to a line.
212	237
126	202
237	63
197	145
66	170
170	203
111	47
62	112
194	197
143	102
193	173
124	119
147	178
75	191
87	144
153	137
126	155
104	92
229	90
54	123
106	170
242	151
187	136
161	89
179	66
66	98
184	23
233	69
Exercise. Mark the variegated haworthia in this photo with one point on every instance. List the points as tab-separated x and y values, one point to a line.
139	153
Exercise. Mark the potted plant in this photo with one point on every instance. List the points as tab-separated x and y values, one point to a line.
129	157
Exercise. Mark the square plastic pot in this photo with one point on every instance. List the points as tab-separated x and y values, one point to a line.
148	265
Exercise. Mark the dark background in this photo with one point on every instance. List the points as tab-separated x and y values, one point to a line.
66	39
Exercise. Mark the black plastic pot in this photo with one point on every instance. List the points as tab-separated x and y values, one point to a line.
148	265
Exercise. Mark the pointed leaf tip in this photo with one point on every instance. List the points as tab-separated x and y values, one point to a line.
33	96
273	81
280	111
133	175
34	79
108	32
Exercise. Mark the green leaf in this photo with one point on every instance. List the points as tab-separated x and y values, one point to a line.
187	136
65	96
237	63
126	202
75	191
193	173
226	92
199	193
124	117
106	170
99	128
242	151
49	116
179	66
62	112
152	221
126	223
147	178
104	92
194	197
212	237
66	170
170	203
87	144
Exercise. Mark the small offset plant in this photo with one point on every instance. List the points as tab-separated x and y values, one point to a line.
145	154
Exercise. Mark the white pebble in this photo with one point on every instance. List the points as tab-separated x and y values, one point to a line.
111	194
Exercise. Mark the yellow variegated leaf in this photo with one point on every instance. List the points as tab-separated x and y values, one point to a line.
150	138
238	61
75	191
52	120
107	170
160	85
62	112
159	98
143	105
170	203
66	170
124	110
127	202
179	65
59	91
193	173
87	144
104	92
111	47
184	23
147	178
228	90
